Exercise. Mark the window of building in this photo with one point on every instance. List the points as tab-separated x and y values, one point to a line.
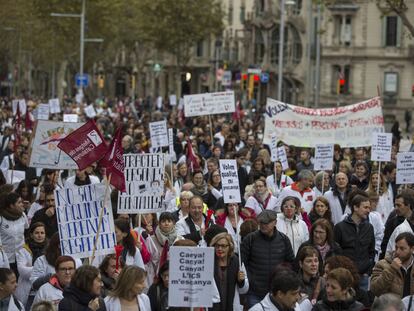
292	48
230	13
392	31
200	49
343	30
259	47
391	83
242	14
297	7
260	7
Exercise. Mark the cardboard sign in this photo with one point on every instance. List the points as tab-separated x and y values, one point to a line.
191	282
54	105
70	118
381	147
43	112
159	134
44	152
230	181
173	100
405	168
348	126
273	148
77	212
209	103
282	158
90	111
144	179
323	157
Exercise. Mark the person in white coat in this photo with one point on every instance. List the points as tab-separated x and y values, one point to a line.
277	181
53	290
13	222
284	294
127	253
289	223
338	197
128	291
26	256
8	285
262	199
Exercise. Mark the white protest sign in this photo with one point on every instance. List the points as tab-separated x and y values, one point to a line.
209	103
14	176
323	157
191	282
230	181
70	118
77	212
43	112
405	168
159	134
181	104
44	152
173	100
171	145
22	106
54	105
348	126
144	179
282	158
381	147
90	111
273	148
159	102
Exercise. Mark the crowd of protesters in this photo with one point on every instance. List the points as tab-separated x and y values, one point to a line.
336	240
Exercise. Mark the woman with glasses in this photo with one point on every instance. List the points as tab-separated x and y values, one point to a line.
214	187
229	277
262	199
289	223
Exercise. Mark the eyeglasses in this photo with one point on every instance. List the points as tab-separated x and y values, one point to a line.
224	246
216	175
67	270
289	206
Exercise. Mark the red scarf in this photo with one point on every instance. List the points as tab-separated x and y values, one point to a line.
263	205
118	252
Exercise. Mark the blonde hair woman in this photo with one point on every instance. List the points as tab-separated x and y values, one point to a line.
128	291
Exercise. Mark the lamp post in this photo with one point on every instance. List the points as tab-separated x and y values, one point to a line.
82	39
283	4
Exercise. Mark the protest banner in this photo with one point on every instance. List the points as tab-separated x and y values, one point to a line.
191	281
230	181
323	157
273	148
42	112
85	145
348	126
144	180
209	103
282	157
70	118
381	147
90	111
44	152
159	134
405	168
54	105
77	212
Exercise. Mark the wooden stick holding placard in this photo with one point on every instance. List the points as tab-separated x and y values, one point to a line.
101	213
237	233
379	177
139	227
323	182
211	129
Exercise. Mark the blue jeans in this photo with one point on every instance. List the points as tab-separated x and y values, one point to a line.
252	299
364	282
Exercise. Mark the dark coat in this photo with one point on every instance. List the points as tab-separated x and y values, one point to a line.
261	254
357	243
347	305
76	300
50	222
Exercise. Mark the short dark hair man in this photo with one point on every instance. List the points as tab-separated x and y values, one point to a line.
395	274
284	292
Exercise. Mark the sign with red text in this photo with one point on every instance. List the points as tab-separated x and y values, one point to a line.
209	103
348	126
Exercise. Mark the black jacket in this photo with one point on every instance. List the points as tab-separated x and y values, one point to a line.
76	300
261	254
357	243
50	222
347	305
158	296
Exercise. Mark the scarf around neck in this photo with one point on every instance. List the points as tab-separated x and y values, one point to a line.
10	214
162	237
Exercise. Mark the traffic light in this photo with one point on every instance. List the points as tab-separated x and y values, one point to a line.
244	78
341	86
101	81
132	81
256	83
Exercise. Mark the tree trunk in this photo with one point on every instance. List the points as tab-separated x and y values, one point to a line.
61	80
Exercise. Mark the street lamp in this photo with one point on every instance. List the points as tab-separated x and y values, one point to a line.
283	4
82	39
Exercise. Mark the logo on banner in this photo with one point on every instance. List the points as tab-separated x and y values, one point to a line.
94	137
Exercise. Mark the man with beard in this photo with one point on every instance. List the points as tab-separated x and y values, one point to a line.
394	274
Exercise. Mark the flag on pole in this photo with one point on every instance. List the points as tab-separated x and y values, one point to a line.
191	158
113	161
84	145
28	121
